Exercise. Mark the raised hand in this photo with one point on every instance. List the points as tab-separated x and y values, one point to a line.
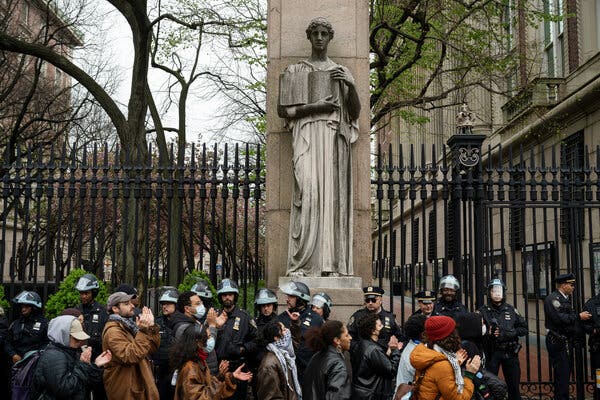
211	318
103	359
223	367
461	356
294	316
221	319
86	355
240	375
146	318
473	364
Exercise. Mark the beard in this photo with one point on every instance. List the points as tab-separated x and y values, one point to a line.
228	303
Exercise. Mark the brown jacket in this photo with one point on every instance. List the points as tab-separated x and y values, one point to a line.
194	382
439	376
271	380
129	374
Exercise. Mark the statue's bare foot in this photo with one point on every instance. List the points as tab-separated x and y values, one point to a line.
296	274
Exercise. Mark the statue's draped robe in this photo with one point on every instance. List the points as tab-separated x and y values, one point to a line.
320	241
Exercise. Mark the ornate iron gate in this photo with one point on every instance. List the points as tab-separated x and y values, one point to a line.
524	215
141	224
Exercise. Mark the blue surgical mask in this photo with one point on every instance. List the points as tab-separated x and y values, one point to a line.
210	344
200	311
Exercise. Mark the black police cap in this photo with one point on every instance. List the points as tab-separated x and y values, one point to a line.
373	291
426	296
565	278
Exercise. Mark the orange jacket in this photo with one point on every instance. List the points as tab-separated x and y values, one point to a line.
439	376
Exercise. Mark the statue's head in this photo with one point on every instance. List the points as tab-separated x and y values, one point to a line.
319	22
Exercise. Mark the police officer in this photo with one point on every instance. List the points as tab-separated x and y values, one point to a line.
425	299
28	332
448	303
502	340
236	341
321	304
94	317
162	373
94	313
202	289
265	309
561	325
299	318
390	333
592	327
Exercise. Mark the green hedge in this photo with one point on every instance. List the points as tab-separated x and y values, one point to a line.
4	303
67	296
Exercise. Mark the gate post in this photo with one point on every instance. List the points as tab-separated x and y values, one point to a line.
465	153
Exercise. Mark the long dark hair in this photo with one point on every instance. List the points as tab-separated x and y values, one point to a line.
318	339
186	347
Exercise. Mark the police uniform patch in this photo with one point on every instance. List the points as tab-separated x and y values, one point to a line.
387	322
37	326
236	324
556	303
351	320
253	323
95	318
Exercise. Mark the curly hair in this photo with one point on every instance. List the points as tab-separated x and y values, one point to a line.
186	348
366	325
415	326
319	21
319	338
450	343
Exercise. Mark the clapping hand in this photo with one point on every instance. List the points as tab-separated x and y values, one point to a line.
103	359
473	364
146	318
223	367
241	375
86	355
461	356
221	319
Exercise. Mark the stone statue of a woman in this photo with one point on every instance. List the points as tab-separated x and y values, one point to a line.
318	99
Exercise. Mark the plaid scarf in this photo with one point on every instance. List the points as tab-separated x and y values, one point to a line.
284	351
128	322
458	378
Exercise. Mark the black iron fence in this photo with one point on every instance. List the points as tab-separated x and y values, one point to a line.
522	214
146	225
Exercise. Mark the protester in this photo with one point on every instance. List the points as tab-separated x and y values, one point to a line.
448	304
299	318
327	375
29	331
63	370
160	359
439	360
236	342
277	376
132	291
129	374
191	311
321	304
373	366
413	328
194	380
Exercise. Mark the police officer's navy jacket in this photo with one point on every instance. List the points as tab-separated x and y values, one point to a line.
94	319
26	334
239	331
560	316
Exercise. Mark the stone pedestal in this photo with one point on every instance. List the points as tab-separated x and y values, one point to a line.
288	44
345	292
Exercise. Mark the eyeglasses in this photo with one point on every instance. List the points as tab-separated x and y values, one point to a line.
371	300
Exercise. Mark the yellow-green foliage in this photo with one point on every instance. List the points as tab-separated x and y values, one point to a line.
67	296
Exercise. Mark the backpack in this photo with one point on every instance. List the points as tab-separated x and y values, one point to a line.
21	378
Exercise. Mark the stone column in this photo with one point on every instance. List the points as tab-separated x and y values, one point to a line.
287	44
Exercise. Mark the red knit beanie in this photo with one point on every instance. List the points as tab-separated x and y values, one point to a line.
439	327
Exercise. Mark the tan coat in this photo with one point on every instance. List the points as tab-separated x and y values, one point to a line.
271	380
439	376
129	375
194	382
